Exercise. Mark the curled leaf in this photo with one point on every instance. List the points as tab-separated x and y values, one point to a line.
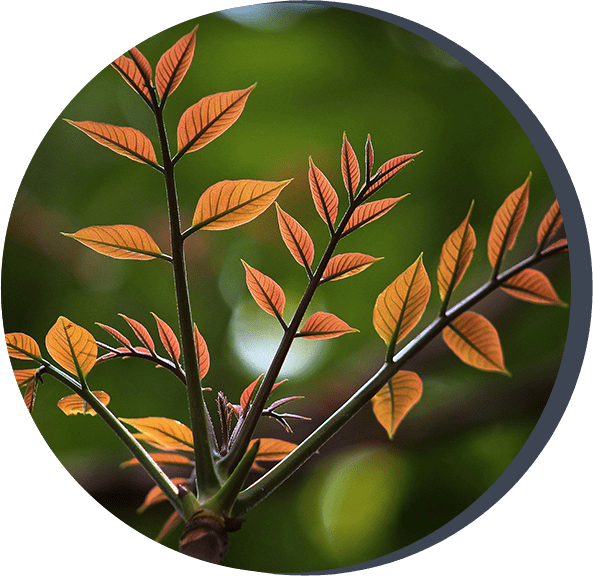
296	238
201	352
322	326
345	265
74	404
324	195
388	170
532	286
550	224
369	212
267	293
168	338
71	346
350	168
141	333
174	63
22	346
165	433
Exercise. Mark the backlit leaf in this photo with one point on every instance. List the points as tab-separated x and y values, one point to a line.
128	142
389	170
123	241
507	222
395	400
268	295
272	450
345	265
116	334
231	203
401	305
532	286
156	495
550	224
132	74
323	325
74	404
161	458
142	63
141	333
209	118
22	346
30	394
71	346
165	433
246	396
456	255
563	243
168	338
324	195
202	353
170	524
23	377
174	63
350	168
296	238
369	212
475	341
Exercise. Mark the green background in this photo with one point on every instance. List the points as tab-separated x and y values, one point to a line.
540	506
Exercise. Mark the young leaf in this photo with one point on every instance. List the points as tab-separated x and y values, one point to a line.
369	157
161	458
247	394
550	224
116	334
296	238
456	255
142	64
389	170
401	305
168	338
324	195
174	63
232	203
345	265
156	495
170	524
395	400
23	377
71	346
22	346
141	333
322	326
128	142
132	74
209	118
165	433
122	241
475	341
202	353
506	224
350	168
272	450
532	286
268	295
74	404
369	212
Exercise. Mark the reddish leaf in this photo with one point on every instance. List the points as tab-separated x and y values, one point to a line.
350	168
71	346
161	458
142	63
116	335
247	394
550	224
168	339
209	118
345	265
456	255
171	523
401	305
165	433
202	353
272	450
268	295
475	341
174	63
74	404
132	74
141	333
23	377
323	325
128	142
232	203
156	495
532	286
563	243
507	222
369	212
395	400
296	238
389	170
122	241
22	346
324	195
30	394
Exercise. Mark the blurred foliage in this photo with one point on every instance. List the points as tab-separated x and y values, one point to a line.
319	72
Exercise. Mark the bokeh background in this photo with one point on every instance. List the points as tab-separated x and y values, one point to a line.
320	71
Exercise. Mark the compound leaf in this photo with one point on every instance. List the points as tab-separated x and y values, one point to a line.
71	346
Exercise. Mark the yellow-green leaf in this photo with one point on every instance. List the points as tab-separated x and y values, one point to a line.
74	404
71	346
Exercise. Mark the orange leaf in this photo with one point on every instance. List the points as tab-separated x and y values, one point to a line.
132	74
247	394
202	352
507	222
209	118
296	238
401	305
165	433
475	341
141	332
389	170
156	495
171	523
395	400
456	255
161	458
324	195
128	142
30	394
168	338
532	286
142	63
559	243
71	346
350	168
22	346
272	450
369	212
231	203
322	326
174	63
550	224
23	377
345	265
115	334
122	241
268	295
74	404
